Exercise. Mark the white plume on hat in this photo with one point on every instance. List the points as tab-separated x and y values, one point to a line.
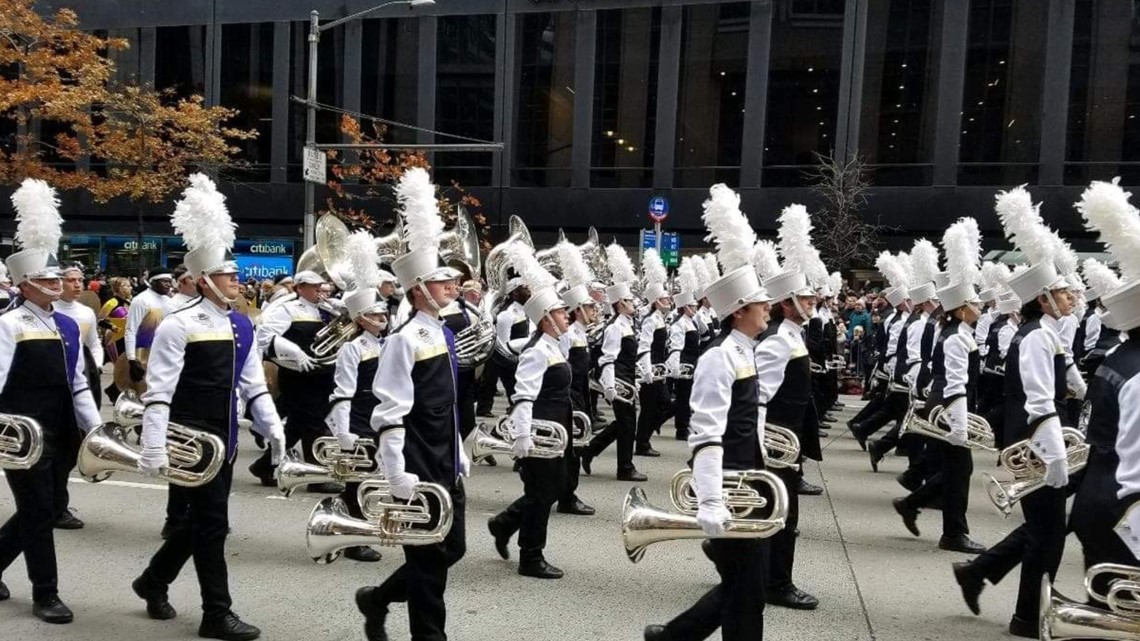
1100	276
700	271
201	217
575	271
907	265
360	255
893	270
728	228
621	267
687	278
1064	258
765	258
652	268
963	251
835	281
533	274
712	268
924	259
422	223
38	223
1106	210
795	241
995	276
1023	225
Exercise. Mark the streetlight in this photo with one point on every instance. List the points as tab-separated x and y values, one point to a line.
315	29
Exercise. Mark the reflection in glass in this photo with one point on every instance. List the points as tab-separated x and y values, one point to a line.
389	65
1001	107
1104	94
710	104
544	118
247	85
465	95
180	59
625	97
803	95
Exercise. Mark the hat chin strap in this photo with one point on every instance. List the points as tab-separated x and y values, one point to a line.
53	295
800	309
1052	304
431	299
553	325
217	292
377	325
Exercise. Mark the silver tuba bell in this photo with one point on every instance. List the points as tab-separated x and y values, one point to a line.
391	246
1029	472
979	434
550	439
21	442
332	236
333	465
1063	619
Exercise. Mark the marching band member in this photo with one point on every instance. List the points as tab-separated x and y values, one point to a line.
35	382
727	433
143	317
684	345
575	343
652	348
513	331
285	335
415	420
203	358
991	404
955	371
1035	386
894	403
186	290
618	362
542	392
1098	338
989	313
457	317
352	401
706	317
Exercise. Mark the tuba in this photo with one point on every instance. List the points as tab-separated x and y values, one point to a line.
423	520
782	447
642	524
979	435
626	392
498	260
333	465
739	496
550	439
582	428
332	235
1028	471
391	246
1063	619
195	456
21	442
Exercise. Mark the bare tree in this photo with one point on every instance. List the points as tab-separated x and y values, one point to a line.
842	233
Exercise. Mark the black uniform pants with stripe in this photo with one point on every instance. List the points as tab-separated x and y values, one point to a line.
784	542
682	412
544	482
29	530
422	580
199	535
621	430
653	411
736	606
952	483
893	408
1037	545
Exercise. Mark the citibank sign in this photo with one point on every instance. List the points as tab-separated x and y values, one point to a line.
264	247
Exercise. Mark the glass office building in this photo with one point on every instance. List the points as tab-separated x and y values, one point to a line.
602	104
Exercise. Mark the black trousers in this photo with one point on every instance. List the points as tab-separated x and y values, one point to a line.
465	395
29	530
653	411
893	408
67	453
952	483
1096	511
1037	545
201	535
736	606
621	430
422	580
573	463
506	372
784	542
877	397
682	412
488	380
544	482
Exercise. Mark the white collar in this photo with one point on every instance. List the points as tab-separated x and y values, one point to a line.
743	339
39	311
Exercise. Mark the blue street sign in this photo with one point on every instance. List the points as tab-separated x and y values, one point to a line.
670	246
658	209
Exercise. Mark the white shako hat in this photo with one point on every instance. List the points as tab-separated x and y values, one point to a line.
1007	303
364	276
1100	277
622	273
1106	209
895	270
422	228
544	297
730	231
203	220
962	244
688	281
575	273
1024	227
654	275
995	281
38	230
924	259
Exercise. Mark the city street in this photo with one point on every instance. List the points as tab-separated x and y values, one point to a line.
873	579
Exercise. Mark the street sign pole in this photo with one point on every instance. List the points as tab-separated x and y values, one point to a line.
657	237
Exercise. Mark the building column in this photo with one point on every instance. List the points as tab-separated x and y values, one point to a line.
425	87
950	84
586	37
1055	98
756	93
279	149
668	84
505	82
851	79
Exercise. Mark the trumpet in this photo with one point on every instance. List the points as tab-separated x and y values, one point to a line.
625	392
1029	472
550	439
425	519
642	524
782	447
333	465
195	456
979	435
582	428
21	442
1063	619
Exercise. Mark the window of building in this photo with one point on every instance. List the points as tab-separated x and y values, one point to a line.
544	116
625	97
710	99
1001	103
247	85
897	124
803	93
180	59
465	95
389	76
330	90
1103	137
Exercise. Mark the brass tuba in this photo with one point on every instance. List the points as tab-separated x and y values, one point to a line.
333	465
550	439
979	434
424	520
332	235
1029	472
740	497
1063	619
195	456
461	244
782	447
642	524
625	392
498	261
21	442
582	428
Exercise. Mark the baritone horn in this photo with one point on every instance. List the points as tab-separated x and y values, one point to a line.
979	434
740	497
643	524
21	442
550	439
624	391
782	447
334	465
424	519
582	428
195	456
1029	472
1063	619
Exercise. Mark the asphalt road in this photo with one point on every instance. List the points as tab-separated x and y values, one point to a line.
874	580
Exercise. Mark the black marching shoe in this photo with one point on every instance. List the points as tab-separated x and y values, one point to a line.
586	457
52	610
681	436
374	614
655	633
489	461
228	627
909	482
68	521
792	597
961	543
157	604
909	515
970	583
875	451
807	489
575	507
1019	627
539	569
646	450
363	554
4	593
502	539
631	475
262	469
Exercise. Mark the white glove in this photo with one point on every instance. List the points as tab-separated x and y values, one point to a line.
1128	529
153	460
957	415
403	485
276	447
1075	382
346	441
464	462
708	484
712	517
610	394
289	355
1057	473
522	446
